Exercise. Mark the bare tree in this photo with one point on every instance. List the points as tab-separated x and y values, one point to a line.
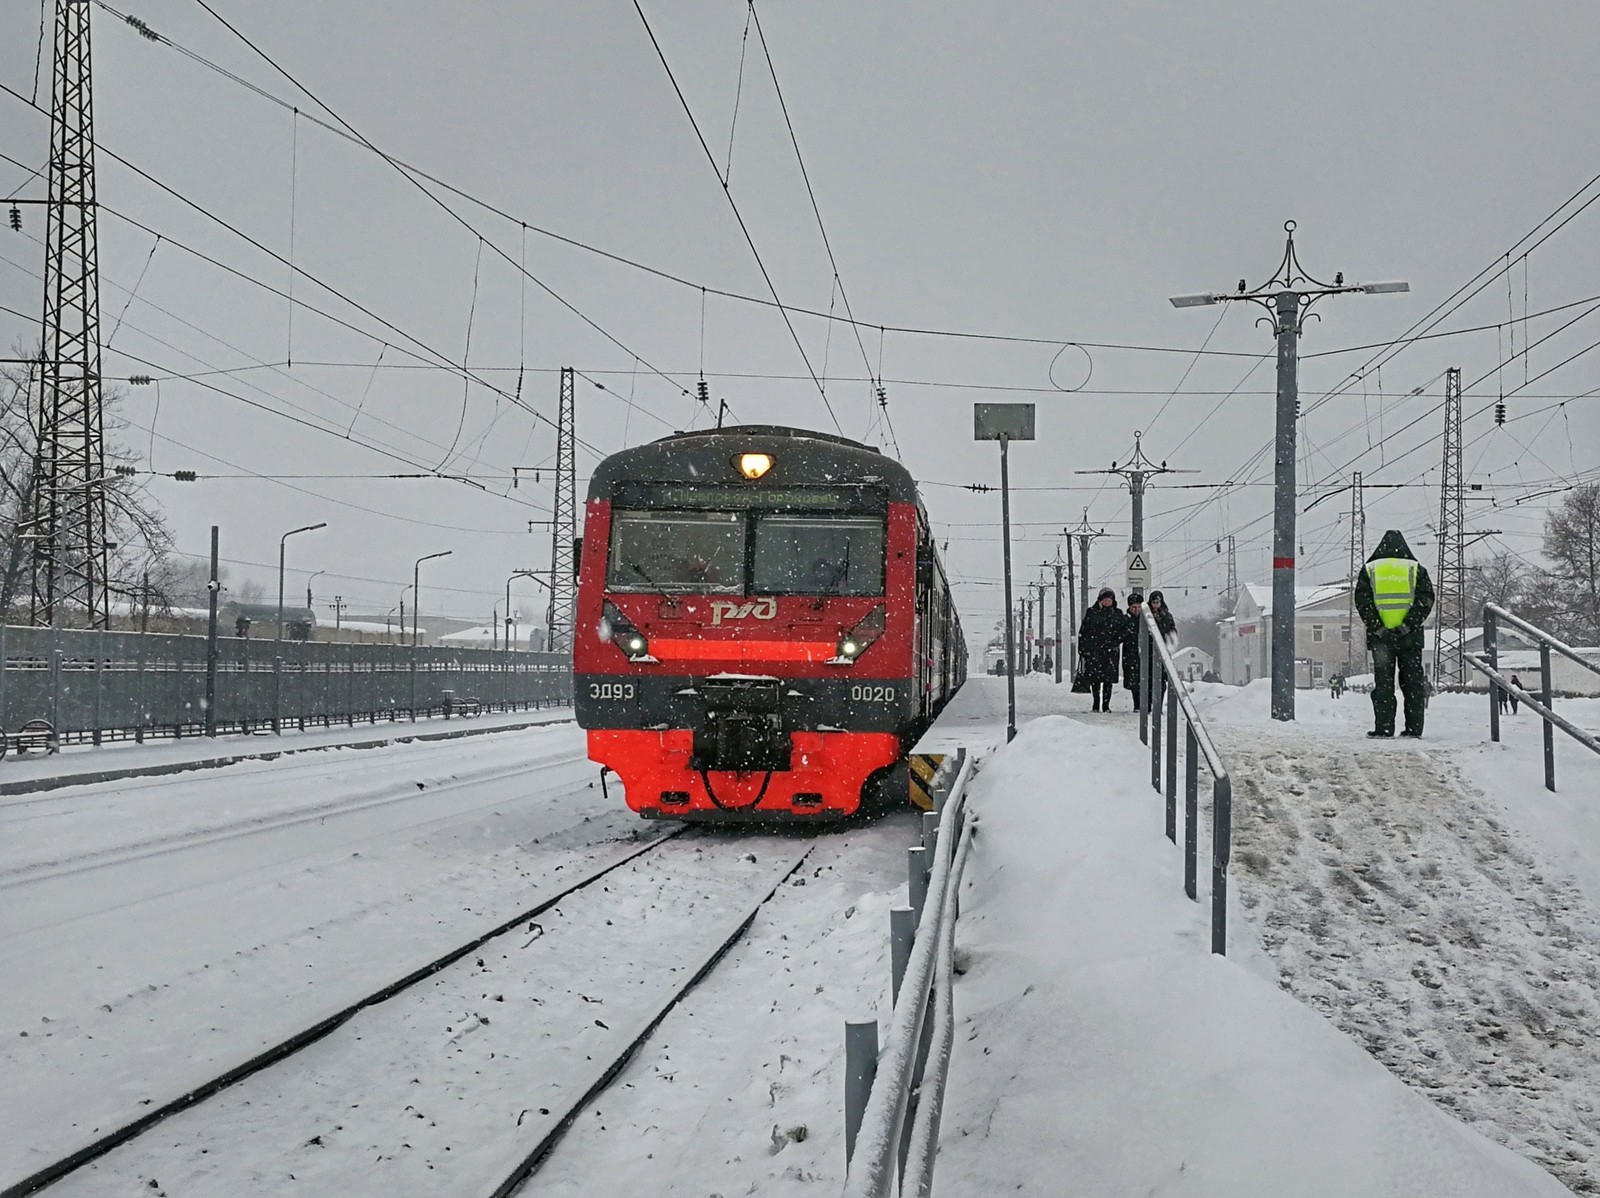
134	522
1502	578
1572	544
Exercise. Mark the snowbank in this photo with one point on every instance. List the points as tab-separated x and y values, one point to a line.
1101	1043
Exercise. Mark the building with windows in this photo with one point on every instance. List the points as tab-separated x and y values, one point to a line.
1326	639
1193	664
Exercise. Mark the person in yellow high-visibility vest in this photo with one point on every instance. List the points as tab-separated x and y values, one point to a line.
1394	596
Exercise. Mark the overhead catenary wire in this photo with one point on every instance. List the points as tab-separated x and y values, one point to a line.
738	216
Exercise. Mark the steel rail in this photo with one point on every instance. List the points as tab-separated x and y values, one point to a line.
530	1163
286	1048
873	1165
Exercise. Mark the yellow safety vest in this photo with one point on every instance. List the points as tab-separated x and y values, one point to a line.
1394	588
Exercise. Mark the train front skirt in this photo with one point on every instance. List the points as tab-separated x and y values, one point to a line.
826	775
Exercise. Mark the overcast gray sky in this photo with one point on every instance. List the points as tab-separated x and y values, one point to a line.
1047	171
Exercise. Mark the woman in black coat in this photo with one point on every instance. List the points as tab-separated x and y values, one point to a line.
1100	637
1130	645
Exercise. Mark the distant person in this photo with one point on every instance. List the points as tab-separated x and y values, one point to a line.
1512	695
1130	646
1100	647
1168	625
1395	596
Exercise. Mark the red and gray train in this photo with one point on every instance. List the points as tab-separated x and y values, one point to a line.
764	628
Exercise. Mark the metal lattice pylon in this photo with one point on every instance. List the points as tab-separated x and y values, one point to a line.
67	520
564	528
1450	607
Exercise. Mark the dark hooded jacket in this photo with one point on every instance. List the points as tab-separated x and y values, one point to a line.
1164	617
1408	637
1100	637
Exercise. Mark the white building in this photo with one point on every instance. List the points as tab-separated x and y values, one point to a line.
1192	663
1323	644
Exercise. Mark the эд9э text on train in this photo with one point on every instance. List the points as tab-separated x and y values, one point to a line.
763	625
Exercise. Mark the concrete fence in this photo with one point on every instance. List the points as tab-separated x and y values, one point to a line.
96	686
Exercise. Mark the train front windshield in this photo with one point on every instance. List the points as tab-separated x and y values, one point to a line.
817	555
760	553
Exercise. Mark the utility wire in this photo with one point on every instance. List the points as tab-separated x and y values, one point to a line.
738	216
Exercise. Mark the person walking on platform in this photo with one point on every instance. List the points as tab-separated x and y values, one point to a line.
1512	695
1394	596
1168	627
1100	647
1130	646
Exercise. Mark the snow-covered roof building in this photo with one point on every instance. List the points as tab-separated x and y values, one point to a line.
1325	642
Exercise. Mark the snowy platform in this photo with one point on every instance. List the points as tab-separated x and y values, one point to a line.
1104	1051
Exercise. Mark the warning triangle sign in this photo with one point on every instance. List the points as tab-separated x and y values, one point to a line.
1136	562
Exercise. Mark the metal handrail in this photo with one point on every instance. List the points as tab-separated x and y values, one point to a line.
1198	744
1544	706
1540	635
918	1173
884	1139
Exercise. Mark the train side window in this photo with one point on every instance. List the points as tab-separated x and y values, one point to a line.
818	555
677	551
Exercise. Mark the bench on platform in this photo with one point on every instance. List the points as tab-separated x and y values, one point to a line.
35	734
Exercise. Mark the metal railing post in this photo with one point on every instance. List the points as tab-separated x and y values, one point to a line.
1172	767
1221	842
1155	750
55	684
902	931
1549	728
1491	653
930	831
1139	695
99	683
917	879
277	695
1191	813
860	1069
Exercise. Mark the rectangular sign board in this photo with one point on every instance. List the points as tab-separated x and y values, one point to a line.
1010	421
1138	570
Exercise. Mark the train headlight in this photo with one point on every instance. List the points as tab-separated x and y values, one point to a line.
858	640
616	628
753	465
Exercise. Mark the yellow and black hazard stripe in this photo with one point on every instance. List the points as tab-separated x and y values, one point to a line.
923	768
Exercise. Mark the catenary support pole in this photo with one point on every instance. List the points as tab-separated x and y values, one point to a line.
1287	309
1011	646
213	586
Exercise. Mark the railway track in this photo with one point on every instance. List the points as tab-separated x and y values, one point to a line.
648	897
396	790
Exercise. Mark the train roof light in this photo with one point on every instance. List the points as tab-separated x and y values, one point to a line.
753	465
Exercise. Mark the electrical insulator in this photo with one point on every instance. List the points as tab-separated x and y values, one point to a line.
140	380
1499	413
704	392
125	471
16	219
1297	409
883	398
184	476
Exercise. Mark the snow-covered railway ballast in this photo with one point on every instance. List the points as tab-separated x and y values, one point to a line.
764	627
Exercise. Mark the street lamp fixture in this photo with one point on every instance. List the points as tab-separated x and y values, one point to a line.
282	543
416	594
514	575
